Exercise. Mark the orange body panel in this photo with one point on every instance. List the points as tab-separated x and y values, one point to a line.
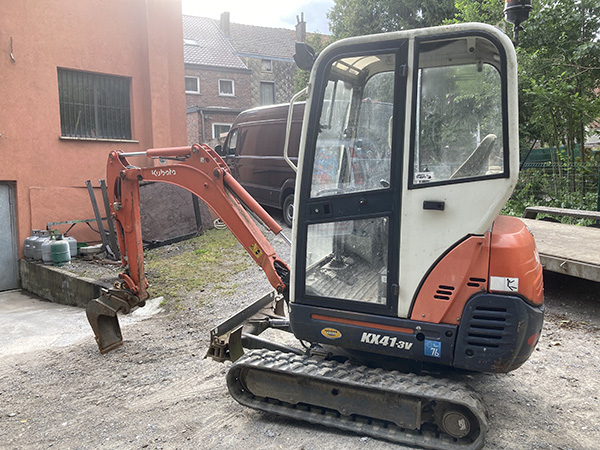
514	255
508	252
460	274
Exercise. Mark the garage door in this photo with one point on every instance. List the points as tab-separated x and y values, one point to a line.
9	274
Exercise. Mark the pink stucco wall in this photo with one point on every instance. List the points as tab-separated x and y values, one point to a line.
140	39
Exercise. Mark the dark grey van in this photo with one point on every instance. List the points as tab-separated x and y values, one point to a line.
253	150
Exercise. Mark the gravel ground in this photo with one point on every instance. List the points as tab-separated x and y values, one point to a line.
158	392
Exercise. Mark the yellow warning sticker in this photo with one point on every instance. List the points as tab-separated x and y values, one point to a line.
331	333
256	251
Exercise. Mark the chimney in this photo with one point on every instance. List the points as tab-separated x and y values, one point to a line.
225	23
300	28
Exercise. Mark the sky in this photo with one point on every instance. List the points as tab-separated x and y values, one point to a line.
265	13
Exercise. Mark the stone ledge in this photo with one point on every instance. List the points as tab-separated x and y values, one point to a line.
58	285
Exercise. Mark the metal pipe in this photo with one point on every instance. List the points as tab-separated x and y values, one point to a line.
133	154
598	199
288	129
158	152
285	238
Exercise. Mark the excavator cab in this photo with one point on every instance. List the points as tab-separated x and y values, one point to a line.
410	152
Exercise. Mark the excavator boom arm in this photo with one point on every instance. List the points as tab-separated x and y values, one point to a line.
200	170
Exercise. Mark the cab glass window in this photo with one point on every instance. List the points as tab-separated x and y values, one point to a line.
459	132
354	143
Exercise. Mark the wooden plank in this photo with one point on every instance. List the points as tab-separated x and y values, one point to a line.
572	268
531	212
569	249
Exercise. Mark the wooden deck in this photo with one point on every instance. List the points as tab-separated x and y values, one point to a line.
568	249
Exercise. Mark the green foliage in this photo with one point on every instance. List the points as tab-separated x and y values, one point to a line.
359	17
486	11
544	187
559	68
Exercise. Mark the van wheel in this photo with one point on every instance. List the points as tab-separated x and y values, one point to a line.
288	210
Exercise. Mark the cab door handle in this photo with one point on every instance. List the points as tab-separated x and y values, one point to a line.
434	205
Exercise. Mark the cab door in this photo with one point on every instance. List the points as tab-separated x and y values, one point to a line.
348	225
410	147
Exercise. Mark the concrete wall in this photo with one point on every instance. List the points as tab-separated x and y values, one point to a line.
139	39
59	286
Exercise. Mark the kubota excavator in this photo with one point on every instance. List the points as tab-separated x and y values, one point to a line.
401	264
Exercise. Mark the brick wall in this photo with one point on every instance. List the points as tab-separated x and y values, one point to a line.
193	127
282	75
209	89
246	95
202	131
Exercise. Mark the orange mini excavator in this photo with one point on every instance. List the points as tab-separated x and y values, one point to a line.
401	266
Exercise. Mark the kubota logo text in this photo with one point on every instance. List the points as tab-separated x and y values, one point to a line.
163	172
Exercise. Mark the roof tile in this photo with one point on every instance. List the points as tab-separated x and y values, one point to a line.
212	48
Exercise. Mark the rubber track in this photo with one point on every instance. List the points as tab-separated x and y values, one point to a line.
424	387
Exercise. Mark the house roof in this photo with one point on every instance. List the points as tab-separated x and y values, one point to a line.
205	45
263	41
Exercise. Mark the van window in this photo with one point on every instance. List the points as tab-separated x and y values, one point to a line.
232	143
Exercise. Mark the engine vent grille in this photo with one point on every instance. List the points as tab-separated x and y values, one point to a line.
487	326
476	282
444	292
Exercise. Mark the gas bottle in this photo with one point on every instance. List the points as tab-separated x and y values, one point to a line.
72	246
61	254
47	251
37	244
29	240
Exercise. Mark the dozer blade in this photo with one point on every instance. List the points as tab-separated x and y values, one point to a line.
102	315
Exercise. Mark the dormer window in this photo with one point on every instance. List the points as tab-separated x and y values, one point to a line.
267	65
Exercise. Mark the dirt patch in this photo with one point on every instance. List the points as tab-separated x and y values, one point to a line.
158	391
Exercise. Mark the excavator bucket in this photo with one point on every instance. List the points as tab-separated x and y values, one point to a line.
102	315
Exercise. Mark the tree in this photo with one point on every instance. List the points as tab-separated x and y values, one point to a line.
487	11
359	17
559	73
559	68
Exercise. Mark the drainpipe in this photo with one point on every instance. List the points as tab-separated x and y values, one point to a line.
203	127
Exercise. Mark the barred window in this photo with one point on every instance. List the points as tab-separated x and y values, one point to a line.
94	105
